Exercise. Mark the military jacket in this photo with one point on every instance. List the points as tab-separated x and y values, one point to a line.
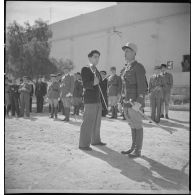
156	83
53	90
25	88
67	85
168	80
135	83
114	85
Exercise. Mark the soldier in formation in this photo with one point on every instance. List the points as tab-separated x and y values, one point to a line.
114	91
156	85
53	95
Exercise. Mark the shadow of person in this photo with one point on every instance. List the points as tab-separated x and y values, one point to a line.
178	177
139	173
172	124
178	121
165	128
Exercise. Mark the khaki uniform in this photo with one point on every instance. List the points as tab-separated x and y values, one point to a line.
114	89
67	87
168	80
53	94
135	88
24	90
156	95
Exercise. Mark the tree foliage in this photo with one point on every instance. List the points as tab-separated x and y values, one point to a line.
28	49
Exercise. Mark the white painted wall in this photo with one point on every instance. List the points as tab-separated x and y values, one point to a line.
163	35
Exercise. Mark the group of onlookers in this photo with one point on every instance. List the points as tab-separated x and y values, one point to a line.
65	90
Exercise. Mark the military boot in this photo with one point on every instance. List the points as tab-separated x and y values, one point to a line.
139	143
133	145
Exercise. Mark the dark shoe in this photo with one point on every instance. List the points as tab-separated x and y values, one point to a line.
99	144
56	116
128	151
51	116
135	154
166	116
64	119
85	148
112	117
162	116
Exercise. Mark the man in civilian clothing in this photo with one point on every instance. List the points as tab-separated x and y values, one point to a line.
104	87
24	90
90	127
114	91
168	80
39	93
67	88
77	94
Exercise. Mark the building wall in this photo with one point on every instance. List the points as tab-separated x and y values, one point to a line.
163	35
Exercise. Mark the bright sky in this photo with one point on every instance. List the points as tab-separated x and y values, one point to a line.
23	11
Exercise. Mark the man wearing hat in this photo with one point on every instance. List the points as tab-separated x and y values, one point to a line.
168	80
24	90
53	94
135	88
114	91
104	87
67	88
156	85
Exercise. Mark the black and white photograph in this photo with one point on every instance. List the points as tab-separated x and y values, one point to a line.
97	97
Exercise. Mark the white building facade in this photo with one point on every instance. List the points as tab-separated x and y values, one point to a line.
160	30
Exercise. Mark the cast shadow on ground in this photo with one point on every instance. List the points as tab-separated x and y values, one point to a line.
178	121
170	179
166	128
172	124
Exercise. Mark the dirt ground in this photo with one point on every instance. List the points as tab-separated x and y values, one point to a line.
42	155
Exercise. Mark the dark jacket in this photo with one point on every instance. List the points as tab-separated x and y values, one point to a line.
40	89
14	90
91	92
135	82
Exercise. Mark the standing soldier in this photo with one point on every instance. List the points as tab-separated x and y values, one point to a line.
156	94
135	88
31	94
67	88
53	94
104	87
168	80
7	96
14	98
77	94
60	104
24	90
114	91
39	93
